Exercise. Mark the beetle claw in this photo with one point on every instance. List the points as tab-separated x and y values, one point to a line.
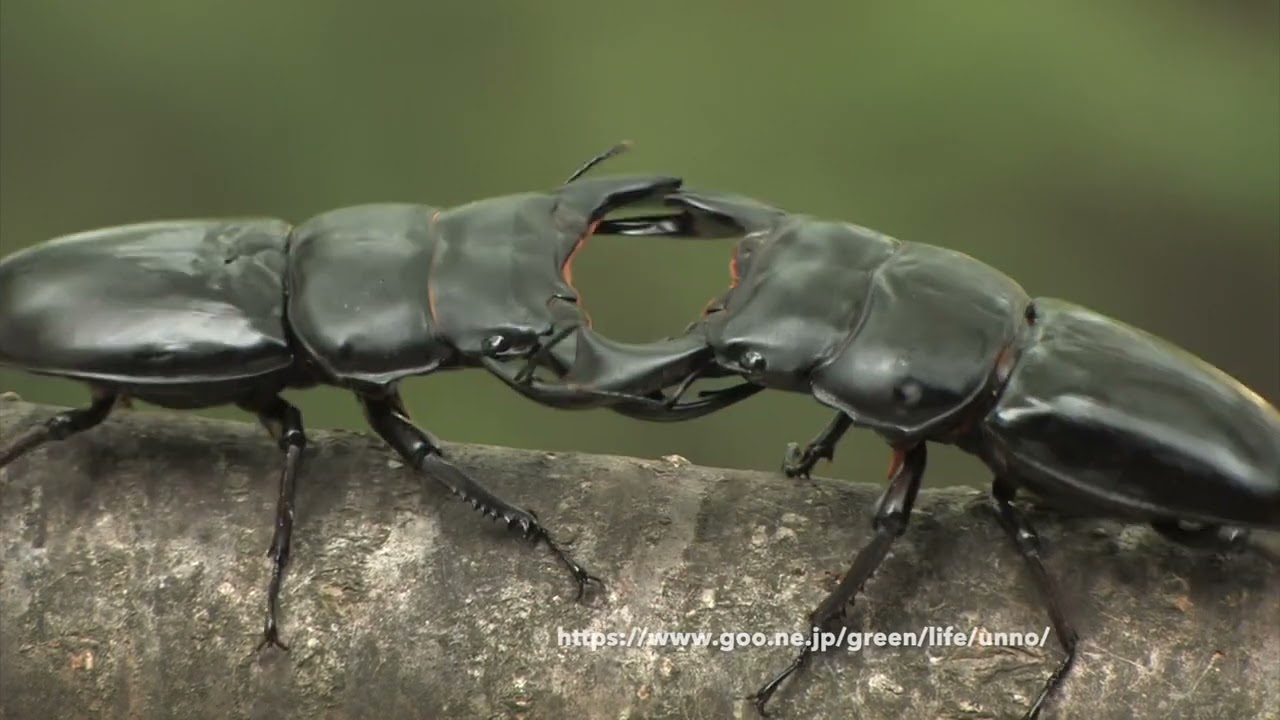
799	463
581	575
585	581
760	700
271	636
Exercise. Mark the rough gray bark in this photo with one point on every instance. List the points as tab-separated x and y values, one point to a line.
134	581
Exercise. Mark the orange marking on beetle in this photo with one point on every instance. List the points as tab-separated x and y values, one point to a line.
1004	362
431	303
566	270
735	277
896	462
431	285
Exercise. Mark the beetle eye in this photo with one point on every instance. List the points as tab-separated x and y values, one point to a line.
752	362
495	344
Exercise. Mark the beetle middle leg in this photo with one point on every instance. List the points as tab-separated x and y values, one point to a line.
60	426
1024	538
389	419
284	422
799	463
892	514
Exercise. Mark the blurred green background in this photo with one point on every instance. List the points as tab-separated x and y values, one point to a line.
1124	157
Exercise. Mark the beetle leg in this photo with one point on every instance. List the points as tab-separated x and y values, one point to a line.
1024	537
284	422
799	463
59	427
420	450
892	514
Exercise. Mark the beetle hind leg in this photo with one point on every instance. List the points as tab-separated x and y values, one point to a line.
284	422
1025	539
388	418
60	426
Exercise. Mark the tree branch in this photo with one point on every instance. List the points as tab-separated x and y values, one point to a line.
134	580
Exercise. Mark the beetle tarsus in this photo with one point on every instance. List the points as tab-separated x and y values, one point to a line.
798	463
761	697
391	422
581	575
892	515
1025	539
271	637
24	443
59	427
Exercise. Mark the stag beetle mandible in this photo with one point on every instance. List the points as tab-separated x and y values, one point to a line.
924	344
190	314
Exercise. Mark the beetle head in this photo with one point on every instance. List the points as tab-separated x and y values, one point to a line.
495	286
501	275
769	327
546	341
774	323
778	356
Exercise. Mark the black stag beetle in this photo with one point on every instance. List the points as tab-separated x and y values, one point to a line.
924	344
191	314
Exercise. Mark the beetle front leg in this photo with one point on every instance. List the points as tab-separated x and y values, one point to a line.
799	463
284	422
1027	542
59	427
892	514
388	418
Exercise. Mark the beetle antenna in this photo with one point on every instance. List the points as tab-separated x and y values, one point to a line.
618	149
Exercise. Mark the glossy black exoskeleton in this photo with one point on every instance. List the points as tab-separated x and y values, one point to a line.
924	344
198	313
